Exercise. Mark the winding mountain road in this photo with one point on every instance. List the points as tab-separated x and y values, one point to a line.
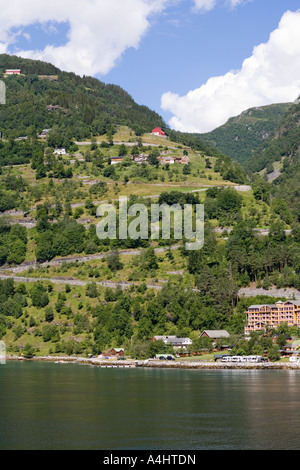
288	293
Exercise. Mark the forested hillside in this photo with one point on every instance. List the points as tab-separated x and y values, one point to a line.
43	97
282	145
281	152
287	185
83	294
242	135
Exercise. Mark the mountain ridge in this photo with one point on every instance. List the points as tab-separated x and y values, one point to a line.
242	135
284	141
84	105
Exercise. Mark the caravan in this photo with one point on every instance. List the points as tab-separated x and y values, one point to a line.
295	358
243	359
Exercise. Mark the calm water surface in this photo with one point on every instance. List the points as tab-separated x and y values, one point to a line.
69	406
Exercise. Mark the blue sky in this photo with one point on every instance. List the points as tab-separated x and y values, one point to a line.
182	49
164	52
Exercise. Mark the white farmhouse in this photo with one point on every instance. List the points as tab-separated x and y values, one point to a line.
60	152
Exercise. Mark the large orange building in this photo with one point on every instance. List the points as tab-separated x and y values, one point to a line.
260	317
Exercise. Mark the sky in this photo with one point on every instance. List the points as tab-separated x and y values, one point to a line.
195	62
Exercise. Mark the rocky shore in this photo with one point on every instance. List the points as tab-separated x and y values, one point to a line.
205	365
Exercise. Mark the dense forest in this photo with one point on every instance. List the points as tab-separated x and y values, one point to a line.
242	135
81	107
282	144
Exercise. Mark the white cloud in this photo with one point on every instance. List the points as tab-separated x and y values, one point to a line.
100	30
235	3
270	75
205	5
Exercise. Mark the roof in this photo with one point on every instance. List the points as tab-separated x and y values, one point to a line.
294	302
216	333
158	129
178	340
261	305
163	337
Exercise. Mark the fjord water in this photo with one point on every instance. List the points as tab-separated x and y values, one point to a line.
69	406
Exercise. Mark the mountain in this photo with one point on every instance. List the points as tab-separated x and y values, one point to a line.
243	134
43	96
93	294
281	146
277	160
284	147
78	108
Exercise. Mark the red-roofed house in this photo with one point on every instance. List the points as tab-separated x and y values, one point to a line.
158	131
13	72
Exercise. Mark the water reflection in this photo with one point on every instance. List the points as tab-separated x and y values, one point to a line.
53	406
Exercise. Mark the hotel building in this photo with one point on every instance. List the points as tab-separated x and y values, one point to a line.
260	317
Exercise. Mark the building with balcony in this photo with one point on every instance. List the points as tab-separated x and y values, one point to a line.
260	317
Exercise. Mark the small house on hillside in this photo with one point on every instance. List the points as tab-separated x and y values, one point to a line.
174	341
215	334
167	160
44	133
184	160
142	158
13	72
179	342
162	338
117	352
115	160
60	152
159	132
288	338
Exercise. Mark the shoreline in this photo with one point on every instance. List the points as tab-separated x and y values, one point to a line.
134	363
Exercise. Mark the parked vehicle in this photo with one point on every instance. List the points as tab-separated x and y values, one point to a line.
244	359
294	359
